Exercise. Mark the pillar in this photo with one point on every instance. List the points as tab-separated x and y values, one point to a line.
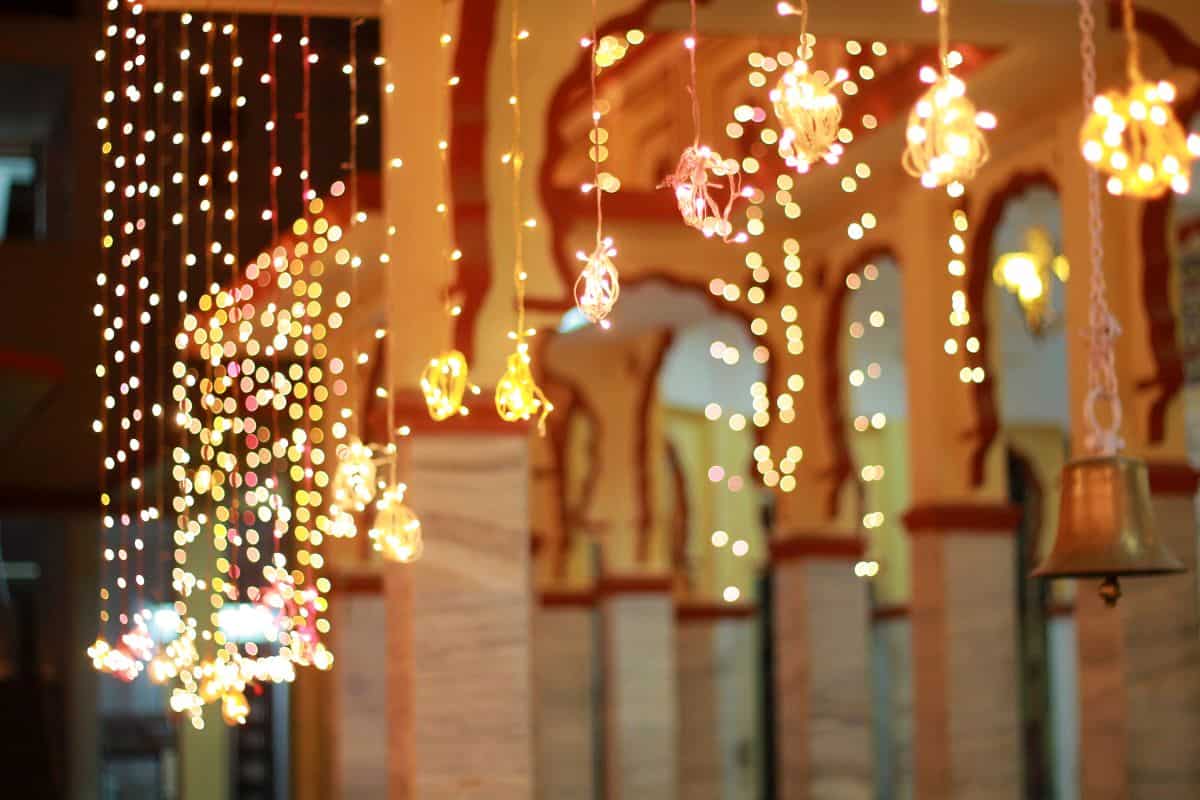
822	670
1162	650
640	696
891	668
716	652
359	689
965	651
459	621
565	684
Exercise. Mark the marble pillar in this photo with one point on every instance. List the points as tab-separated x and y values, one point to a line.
1063	657
1162	652
640	698
964	637
718	709
459	625
822	671
891	667
565	697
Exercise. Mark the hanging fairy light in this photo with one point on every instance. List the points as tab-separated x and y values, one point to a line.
806	106
701	169
354	481
396	533
518	397
599	284
944	136
1134	137
446	379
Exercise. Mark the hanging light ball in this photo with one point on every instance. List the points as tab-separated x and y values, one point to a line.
397	531
518	397
1135	139
945	142
810	115
444	382
342	525
598	285
700	170
235	708
354	482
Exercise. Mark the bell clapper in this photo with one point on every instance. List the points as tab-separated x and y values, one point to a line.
1110	591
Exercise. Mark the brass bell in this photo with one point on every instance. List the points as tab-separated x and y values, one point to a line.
1106	525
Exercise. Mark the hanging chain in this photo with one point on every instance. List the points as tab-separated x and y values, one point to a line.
1103	328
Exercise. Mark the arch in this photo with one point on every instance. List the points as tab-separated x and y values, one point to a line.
832	387
979	270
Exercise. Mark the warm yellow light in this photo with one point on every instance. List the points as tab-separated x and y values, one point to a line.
354	481
1026	274
598	286
810	115
945	142
444	383
700	169
396	533
518	397
1135	139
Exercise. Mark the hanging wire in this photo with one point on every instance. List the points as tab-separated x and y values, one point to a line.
595	147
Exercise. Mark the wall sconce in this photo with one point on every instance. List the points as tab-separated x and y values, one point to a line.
1027	275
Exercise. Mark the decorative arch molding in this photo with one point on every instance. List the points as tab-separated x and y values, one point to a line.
682	522
979	270
1157	238
841	468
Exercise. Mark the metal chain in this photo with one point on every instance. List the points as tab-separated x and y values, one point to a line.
1103	328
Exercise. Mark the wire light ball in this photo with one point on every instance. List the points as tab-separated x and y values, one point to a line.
699	172
810	116
354	481
444	382
518	397
598	285
396	533
945	141
235	708
1135	139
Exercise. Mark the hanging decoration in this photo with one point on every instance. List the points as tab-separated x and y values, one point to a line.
446	379
1134	137
1028	275
700	169
354	481
1106	521
396	533
945	141
599	285
806	106
518	397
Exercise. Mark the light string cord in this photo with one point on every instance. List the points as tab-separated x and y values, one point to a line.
183	411
693	88
105	280
1133	65
352	169
450	248
804	30
1103	327
306	167
273	199
160	272
518	158
235	477
305	121
592	71
125	373
141	304
944	37
389	118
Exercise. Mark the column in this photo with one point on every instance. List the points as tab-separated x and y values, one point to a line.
717	659
359	689
822	670
965	651
565	687
640	696
891	667
1162	650
459	639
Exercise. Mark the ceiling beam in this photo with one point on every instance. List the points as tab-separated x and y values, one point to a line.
292	8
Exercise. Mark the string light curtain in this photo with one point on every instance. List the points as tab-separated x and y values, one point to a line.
518	397
598	286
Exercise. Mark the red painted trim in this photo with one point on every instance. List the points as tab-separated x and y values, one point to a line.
568	599
469	123
885	613
964	519
979	277
1172	478
1188	228
642	467
714	612
357	583
827	548
612	585
833	386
